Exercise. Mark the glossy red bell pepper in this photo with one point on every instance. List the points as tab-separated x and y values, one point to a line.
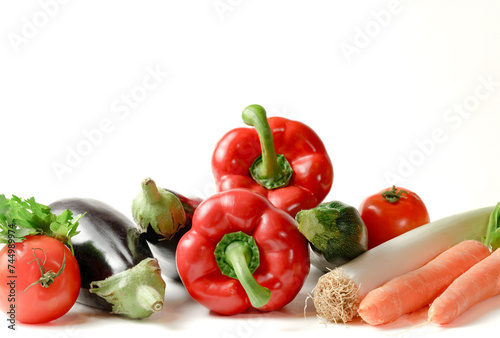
242	253
284	160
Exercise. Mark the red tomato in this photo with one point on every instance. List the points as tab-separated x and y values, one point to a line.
19	269
385	220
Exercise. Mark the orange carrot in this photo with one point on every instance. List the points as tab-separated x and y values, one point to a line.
480	282
415	289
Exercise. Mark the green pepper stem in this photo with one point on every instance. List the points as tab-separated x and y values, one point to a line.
269	170
255	116
238	255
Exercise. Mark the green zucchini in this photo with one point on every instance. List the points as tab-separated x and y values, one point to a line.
336	234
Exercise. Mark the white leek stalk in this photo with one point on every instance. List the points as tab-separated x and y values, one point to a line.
338	293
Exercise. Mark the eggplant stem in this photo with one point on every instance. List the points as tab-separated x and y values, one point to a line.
149	299
150	190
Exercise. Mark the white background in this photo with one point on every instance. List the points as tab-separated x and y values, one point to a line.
396	90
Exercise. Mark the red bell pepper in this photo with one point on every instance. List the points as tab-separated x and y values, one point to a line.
284	160
242	253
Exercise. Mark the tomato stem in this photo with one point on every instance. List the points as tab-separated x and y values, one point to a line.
393	195
46	277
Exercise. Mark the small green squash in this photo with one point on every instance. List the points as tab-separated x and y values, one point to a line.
336	234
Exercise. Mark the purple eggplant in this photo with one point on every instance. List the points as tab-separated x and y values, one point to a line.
118	271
